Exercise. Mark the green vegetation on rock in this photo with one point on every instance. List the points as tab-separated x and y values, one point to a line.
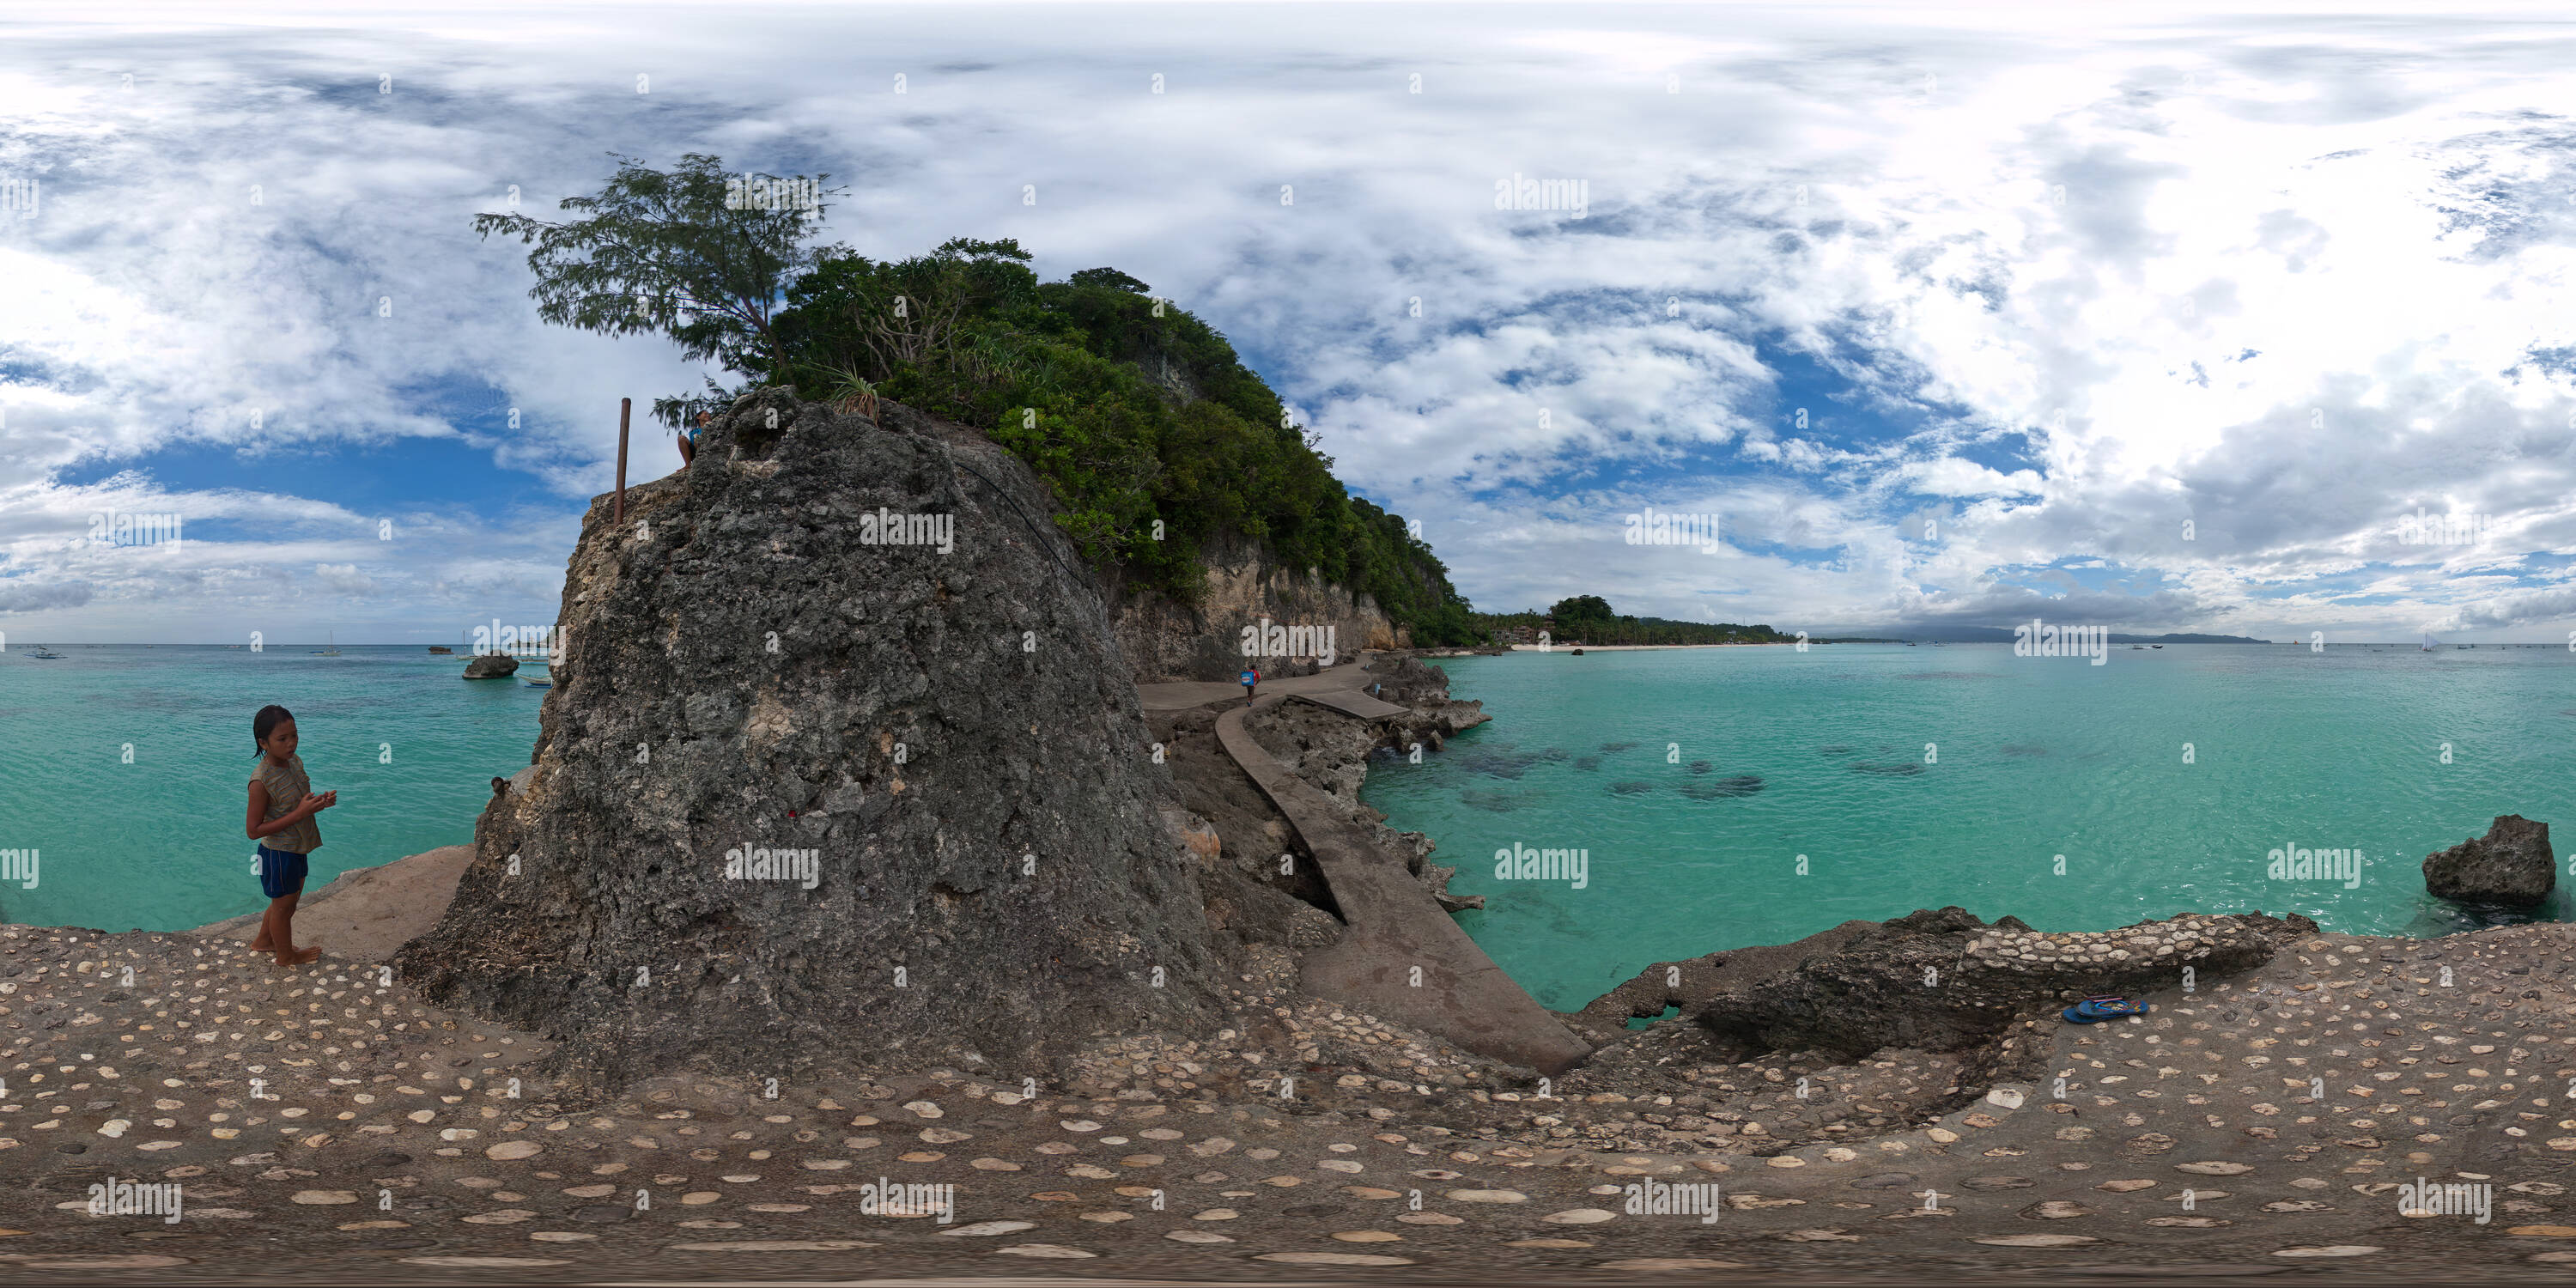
1588	619
1158	444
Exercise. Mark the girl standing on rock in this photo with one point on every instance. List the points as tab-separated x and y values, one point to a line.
285	831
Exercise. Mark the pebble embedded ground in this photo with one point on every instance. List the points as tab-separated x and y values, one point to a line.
324	1123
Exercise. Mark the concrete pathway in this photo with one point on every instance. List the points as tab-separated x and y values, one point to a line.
1351	702
1402	958
1182	695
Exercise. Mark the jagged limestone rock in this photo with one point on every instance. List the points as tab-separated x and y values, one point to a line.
1941	980
2511	866
857	658
492	666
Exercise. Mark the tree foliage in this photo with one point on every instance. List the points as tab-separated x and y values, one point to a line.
1589	619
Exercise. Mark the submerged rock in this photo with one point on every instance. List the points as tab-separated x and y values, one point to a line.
841	768
2512	865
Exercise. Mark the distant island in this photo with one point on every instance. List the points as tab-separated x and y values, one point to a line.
2004	635
1589	619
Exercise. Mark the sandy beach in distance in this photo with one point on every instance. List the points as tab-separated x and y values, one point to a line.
1639	648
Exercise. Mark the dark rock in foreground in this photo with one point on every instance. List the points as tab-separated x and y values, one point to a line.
826	782
1931	981
2512	866
491	666
1945	981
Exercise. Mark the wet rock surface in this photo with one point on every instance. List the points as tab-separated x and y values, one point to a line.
2511	866
491	666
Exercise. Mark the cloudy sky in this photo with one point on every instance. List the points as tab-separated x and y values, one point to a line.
1952	315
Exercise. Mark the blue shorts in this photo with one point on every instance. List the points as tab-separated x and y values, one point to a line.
281	872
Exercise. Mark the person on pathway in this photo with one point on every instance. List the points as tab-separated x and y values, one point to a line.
282	806
1251	678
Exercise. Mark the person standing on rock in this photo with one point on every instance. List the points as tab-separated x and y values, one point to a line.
285	832
689	439
1251	678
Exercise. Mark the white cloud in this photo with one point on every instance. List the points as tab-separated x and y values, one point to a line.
2062	282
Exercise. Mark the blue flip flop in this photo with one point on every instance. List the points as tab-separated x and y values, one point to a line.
2094	1010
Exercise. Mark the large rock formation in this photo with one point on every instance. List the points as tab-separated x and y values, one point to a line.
1165	639
2511	866
492	666
841	769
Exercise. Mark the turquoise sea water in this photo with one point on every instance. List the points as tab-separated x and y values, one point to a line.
1822	754
158	843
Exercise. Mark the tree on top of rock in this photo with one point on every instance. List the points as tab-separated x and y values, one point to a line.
694	254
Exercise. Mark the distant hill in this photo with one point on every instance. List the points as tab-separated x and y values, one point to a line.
2004	635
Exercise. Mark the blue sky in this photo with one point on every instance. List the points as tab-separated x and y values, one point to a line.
1953	316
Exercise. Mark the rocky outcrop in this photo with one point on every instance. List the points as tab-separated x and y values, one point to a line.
492	666
841	769
1930	981
1166	639
2511	866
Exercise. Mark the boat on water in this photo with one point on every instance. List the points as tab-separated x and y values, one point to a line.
2155	646
331	648
541	684
45	653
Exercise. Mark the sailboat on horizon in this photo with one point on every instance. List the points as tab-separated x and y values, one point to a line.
2431	644
330	647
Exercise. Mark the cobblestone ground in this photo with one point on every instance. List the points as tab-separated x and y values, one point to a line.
327	1127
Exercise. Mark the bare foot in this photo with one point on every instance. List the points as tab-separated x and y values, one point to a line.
261	944
301	956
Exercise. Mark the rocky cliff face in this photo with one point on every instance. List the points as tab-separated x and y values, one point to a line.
842	769
1164	639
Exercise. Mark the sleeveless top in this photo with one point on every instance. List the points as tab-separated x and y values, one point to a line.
287	788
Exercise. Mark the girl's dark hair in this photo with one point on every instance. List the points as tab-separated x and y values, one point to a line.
268	719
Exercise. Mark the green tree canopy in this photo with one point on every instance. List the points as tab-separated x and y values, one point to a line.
1582	608
694	254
